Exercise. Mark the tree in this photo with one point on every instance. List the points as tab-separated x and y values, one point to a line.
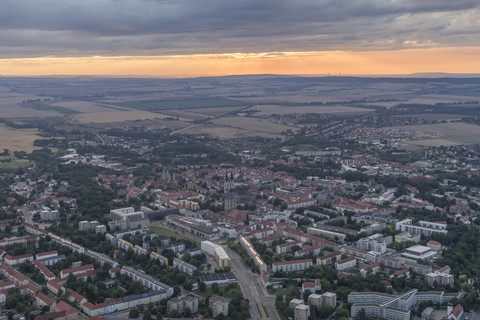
176	291
202	286
362	315
133	313
147	315
341	312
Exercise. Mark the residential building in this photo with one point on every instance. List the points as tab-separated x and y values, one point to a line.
434	245
318	300
146	280
406	236
319	232
312	286
289	266
404	273
287	247
329	258
17	260
301	312
219	305
217	251
373	268
184	266
314	250
182	304
76	270
455	313
345	264
438	278
424	228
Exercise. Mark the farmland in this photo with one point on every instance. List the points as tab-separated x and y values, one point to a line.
117	116
265	110
453	133
179	103
252	124
18	139
223	132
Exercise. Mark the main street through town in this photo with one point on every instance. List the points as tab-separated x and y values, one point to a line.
252	288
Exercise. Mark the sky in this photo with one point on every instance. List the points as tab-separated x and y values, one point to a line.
222	37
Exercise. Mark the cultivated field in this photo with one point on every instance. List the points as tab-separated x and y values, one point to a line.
223	132
252	124
265	110
216	111
453	133
435	117
18	139
117	116
87	106
185	115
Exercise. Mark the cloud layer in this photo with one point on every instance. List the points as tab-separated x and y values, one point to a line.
30	28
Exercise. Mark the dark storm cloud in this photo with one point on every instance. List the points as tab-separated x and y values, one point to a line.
124	27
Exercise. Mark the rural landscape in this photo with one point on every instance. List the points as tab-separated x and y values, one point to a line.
238	107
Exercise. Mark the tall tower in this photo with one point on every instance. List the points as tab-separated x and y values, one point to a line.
227	185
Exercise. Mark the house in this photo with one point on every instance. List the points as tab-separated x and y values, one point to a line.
373	268
70	312
434	245
446	269
404	273
329	258
455	313
312	286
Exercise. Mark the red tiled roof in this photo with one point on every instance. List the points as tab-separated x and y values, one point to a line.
345	260
443	269
372	266
457	310
44	298
330	255
75	295
77	269
401	272
54	284
43	254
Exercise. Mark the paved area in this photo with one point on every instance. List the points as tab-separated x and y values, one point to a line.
252	288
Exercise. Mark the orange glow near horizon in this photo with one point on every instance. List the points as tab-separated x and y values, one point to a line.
447	60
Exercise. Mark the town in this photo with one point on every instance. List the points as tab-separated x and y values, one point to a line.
304	235
343	216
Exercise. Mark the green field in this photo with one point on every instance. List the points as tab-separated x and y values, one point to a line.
14	164
184	103
162	232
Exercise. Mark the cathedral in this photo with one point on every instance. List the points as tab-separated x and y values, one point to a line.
234	195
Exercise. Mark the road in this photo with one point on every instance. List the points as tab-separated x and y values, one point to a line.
249	282
476	315
252	288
